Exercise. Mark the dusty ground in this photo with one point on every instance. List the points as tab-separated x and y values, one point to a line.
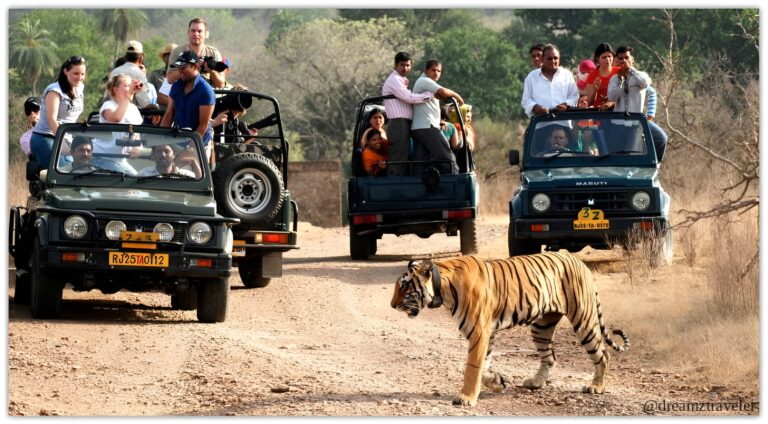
322	340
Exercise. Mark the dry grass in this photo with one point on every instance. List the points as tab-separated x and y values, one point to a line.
18	189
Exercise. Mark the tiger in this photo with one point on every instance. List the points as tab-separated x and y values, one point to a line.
486	296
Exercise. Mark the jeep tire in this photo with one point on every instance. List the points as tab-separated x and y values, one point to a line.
360	246
46	292
248	186
468	236
212	300
22	292
250	270
520	247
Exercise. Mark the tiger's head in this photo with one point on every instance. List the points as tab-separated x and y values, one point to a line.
414	289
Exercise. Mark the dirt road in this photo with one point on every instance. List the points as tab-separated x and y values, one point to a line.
322	340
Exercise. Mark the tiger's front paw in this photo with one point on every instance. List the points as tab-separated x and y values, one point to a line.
593	389
463	400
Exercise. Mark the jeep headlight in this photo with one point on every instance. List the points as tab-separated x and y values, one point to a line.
75	227
199	233
641	201
540	202
165	231
113	229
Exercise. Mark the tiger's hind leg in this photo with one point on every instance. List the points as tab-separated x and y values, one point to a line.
591	340
491	379
542	332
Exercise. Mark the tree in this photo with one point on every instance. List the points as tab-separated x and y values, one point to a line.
32	50
121	23
333	64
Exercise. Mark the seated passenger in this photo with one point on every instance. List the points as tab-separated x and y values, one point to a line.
82	152
166	162
586	140
376	121
469	131
449	131
375	153
118	109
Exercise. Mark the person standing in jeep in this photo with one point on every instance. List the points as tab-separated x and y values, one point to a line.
191	100
549	87
197	33
399	111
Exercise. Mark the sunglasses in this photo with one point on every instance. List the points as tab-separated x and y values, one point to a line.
75	60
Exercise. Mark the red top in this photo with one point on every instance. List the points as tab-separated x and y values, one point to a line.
602	93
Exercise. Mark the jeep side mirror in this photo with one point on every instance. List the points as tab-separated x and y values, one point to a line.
514	157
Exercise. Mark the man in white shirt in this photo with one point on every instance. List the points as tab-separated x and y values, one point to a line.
400	112
430	144
550	87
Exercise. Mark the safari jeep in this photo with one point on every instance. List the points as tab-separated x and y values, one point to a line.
251	183
412	204
589	179
113	221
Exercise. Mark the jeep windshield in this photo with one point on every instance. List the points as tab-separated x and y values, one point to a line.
133	153
588	137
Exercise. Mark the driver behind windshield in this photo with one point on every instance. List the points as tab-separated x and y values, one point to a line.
167	162
82	153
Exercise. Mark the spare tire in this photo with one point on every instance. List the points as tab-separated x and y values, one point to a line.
248	186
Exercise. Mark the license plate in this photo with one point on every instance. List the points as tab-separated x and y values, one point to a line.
159	260
238	248
591	219
137	236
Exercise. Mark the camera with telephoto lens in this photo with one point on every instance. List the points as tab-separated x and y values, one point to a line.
214	64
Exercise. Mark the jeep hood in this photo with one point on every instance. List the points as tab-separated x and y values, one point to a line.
132	200
593	176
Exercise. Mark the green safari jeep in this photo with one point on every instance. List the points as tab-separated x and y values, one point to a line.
122	207
589	179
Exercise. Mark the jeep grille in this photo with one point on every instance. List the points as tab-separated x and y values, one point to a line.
146	226
569	203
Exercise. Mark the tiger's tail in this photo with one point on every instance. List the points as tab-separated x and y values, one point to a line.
625	339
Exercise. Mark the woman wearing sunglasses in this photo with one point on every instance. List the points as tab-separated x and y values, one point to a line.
62	103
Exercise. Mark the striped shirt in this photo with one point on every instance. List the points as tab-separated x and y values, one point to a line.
650	93
400	107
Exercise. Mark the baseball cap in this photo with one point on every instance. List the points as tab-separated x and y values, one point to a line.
134	47
586	66
227	62
31	104
187	57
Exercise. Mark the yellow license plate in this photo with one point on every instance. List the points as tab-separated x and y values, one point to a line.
159	260
137	236
238	248
591	219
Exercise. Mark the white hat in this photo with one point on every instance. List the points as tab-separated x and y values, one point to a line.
134	47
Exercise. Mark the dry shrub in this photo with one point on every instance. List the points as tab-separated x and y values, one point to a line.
18	189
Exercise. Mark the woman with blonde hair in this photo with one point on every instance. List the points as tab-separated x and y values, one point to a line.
118	109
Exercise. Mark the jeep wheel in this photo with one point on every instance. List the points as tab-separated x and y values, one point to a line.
212	300
662	250
468	236
360	246
46	292
520	247
23	290
249	186
184	301
372	247
250	273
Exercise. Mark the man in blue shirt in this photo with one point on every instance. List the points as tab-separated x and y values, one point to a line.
191	100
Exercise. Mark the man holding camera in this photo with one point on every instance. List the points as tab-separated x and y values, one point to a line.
212	65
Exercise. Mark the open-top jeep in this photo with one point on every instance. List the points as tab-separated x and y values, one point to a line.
411	204
250	183
122	207
589	179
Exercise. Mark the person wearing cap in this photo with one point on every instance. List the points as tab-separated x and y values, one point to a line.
157	76
191	100
63	102
197	33
134	61
32	111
